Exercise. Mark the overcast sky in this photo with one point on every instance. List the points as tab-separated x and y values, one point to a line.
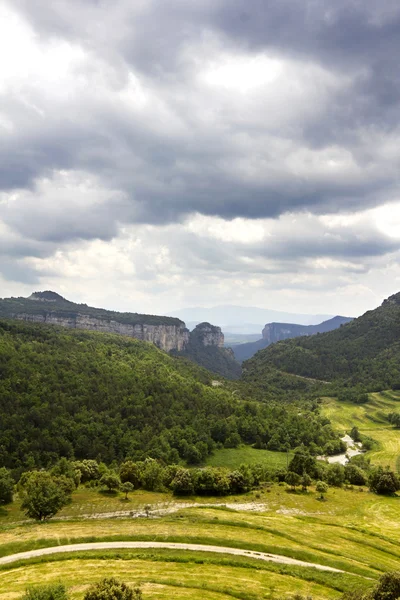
157	154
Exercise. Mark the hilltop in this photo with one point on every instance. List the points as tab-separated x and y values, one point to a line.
364	352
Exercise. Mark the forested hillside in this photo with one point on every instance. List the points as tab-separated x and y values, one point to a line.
275	332
89	395
364	352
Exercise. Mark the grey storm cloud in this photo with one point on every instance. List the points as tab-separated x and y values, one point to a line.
324	139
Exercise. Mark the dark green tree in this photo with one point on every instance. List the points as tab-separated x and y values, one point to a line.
305	482
293	479
303	462
383	481
354	475
6	486
111	481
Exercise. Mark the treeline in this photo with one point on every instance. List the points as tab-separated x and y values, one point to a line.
86	395
44	493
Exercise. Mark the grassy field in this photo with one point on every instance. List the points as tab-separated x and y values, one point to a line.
370	418
233	457
353	531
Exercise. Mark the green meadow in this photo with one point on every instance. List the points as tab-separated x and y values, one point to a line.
371	420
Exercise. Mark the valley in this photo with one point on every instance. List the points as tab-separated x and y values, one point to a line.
225	496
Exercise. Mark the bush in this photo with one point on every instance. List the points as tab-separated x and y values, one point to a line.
54	591
112	589
321	488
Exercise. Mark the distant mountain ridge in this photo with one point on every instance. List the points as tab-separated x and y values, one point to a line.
275	332
364	353
244	319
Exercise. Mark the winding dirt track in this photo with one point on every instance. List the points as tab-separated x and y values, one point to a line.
165	545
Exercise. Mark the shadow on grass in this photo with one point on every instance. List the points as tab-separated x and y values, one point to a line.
109	493
3	512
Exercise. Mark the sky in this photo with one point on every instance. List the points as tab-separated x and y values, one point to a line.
160	154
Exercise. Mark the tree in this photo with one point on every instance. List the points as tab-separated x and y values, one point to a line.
126	488
112	589
303	462
355	475
182	484
293	479
335	475
384	481
321	488
111	481
355	434
89	469
53	591
6	486
305	482
132	472
42	496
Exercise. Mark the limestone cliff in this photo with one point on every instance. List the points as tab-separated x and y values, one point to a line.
167	333
207	335
166	337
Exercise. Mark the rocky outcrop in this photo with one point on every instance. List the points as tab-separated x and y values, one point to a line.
275	332
208	335
206	348
166	337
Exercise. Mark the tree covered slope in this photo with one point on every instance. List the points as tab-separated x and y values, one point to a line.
275	332
364	352
91	395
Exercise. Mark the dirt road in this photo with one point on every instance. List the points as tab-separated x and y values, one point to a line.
165	545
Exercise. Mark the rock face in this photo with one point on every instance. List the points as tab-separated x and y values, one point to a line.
47	307
275	332
208	335
166	337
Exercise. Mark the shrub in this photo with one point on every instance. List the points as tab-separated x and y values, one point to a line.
54	591
112	589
